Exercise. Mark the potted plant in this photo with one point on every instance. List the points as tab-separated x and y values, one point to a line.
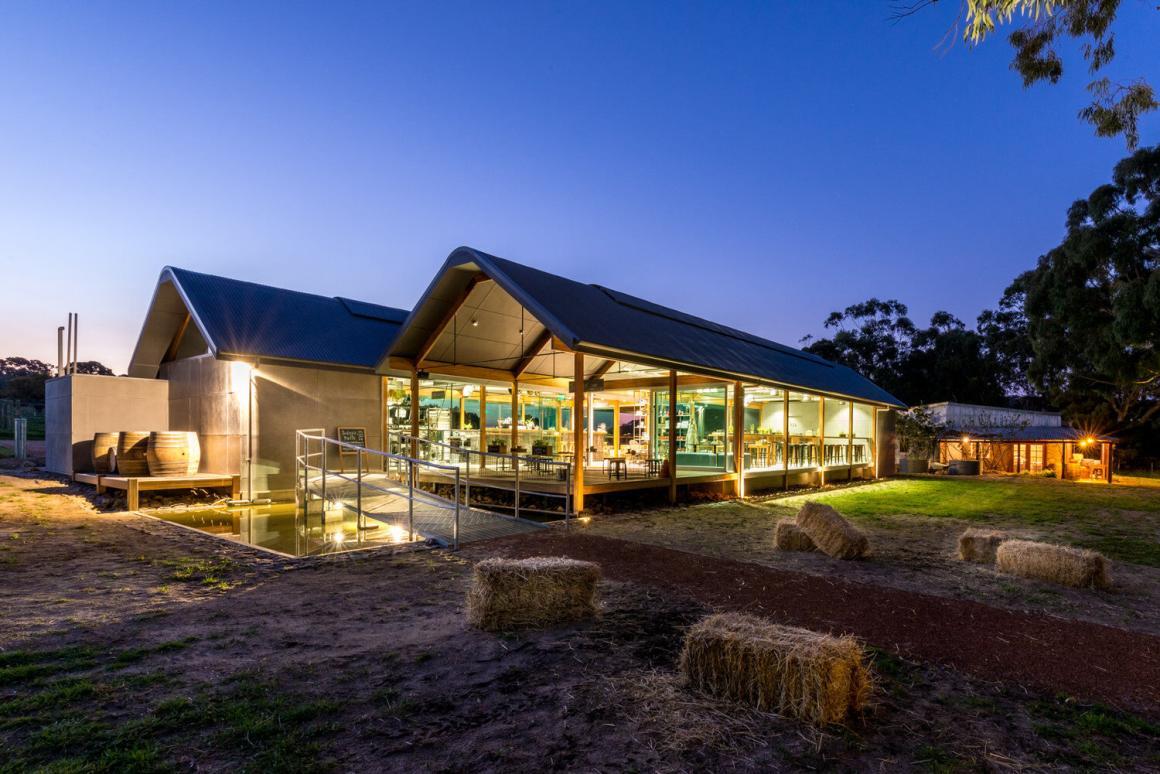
918	435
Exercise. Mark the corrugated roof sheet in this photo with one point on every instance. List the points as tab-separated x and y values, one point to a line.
607	318
252	320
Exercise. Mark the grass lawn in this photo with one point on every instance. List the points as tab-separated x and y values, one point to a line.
1120	521
913	525
129	645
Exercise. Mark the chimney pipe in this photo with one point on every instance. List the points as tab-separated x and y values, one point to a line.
60	350
76	337
68	346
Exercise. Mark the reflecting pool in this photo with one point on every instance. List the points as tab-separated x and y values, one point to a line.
284	528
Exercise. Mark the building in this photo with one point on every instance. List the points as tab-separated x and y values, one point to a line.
503	358
1007	440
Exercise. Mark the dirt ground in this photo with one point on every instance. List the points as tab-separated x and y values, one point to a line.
908	551
127	644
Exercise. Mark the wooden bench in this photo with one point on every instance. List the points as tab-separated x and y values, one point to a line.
134	485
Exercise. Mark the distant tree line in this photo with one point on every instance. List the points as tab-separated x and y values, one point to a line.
23	379
1079	332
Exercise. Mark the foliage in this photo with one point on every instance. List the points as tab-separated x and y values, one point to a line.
918	433
23	378
945	361
1093	303
1116	106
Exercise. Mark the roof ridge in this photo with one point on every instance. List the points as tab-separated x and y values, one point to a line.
339	299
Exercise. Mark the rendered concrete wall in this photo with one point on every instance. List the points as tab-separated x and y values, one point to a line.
79	405
289	399
212	398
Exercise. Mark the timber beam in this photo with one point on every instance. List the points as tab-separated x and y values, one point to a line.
447	317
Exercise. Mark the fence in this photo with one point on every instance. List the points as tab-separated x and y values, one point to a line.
11	410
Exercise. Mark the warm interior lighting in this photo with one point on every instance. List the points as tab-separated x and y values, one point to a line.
474	323
468	389
966	438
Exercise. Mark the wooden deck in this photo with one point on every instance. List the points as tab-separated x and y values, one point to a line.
134	485
596	481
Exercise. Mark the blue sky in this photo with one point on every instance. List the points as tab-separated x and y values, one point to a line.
757	164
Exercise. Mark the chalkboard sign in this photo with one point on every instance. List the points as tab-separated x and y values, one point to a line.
356	436
353	435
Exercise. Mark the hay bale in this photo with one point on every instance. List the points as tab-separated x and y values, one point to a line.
1076	567
788	536
795	672
540	591
831	533
979	545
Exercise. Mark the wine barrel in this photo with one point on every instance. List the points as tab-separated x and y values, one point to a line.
131	450
104	452
173	453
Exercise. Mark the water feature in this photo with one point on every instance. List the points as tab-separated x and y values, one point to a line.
284	528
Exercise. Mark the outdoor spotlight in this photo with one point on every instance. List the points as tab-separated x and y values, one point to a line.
1090	439
966	439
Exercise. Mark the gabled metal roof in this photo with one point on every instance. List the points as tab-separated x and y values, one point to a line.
598	320
245	320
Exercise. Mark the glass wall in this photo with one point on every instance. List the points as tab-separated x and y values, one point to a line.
449	415
778	428
862	453
803	430
764	428
398	413
545	423
701	428
837	443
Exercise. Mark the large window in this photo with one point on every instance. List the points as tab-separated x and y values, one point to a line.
701	438
544	423
764	428
804	431
837	432
862	453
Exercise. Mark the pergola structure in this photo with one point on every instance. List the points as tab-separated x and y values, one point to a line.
1069	452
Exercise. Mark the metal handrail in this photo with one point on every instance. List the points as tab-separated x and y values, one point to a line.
392	463
530	461
531	458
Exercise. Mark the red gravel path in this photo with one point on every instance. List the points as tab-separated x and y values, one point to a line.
1082	659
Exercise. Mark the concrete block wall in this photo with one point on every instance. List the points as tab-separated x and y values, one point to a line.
79	405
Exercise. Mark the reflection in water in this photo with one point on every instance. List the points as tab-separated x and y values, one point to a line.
285	528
